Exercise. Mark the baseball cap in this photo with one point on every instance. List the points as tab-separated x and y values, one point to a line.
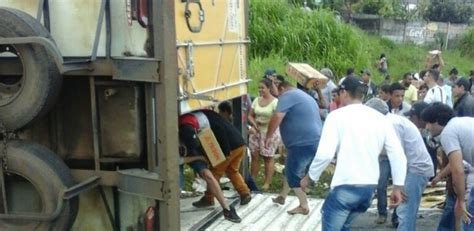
378	104
463	82
417	109
366	71
269	71
327	72
350	84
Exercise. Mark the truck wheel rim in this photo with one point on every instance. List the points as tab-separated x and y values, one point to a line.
11	86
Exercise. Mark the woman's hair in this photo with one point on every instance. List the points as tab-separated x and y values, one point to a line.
424	86
266	82
382	55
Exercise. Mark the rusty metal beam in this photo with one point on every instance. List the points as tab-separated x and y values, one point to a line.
107	178
164	49
141	183
95	124
128	69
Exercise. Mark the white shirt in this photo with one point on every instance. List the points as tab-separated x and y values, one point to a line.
449	95
435	94
418	158
357	134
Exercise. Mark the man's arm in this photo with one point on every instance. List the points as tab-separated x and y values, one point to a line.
457	172
396	156
322	100
428	61
398	164
274	123
327	147
441	175
440	61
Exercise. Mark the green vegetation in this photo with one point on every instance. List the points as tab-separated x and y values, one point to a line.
448	11
466	44
278	29
281	32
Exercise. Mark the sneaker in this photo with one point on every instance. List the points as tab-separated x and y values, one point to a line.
231	215
202	203
381	219
245	199
279	200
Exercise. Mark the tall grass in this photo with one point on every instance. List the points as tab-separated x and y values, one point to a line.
281	32
466	44
314	37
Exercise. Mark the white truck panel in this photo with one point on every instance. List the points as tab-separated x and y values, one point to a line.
74	23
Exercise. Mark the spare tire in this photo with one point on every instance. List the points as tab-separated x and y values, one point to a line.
31	94
34	180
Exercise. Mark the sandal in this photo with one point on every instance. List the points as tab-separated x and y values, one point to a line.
298	210
279	200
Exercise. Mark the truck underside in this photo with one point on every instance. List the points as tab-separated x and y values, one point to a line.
93	89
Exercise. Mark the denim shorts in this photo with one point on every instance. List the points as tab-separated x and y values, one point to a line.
199	165
297	163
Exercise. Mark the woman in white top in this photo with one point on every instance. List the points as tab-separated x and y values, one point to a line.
262	110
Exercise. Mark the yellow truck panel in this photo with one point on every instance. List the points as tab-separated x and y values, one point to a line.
212	62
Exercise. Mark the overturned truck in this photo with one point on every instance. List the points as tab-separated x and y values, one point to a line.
90	94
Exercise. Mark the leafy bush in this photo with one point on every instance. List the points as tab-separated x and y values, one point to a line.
448	11
373	6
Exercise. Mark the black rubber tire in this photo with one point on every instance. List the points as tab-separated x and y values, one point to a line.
49	176
41	80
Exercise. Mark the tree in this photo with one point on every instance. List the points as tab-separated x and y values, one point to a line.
448	11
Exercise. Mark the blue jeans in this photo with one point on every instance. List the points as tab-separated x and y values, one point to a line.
406	212
384	166
446	223
181	176
343	204
447	220
297	163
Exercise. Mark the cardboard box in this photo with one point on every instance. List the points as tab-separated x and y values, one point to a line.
306	75
211	147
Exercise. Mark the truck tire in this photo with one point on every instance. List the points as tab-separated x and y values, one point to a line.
29	96
34	180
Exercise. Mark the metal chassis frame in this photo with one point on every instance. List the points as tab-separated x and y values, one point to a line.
66	194
166	93
161	87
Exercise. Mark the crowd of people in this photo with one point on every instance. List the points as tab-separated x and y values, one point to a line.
371	132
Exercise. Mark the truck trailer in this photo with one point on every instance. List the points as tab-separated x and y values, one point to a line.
90	95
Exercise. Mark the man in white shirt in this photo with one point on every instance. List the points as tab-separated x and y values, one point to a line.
435	93
420	166
448	90
356	134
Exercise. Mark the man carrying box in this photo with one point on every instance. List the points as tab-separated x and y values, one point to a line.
230	141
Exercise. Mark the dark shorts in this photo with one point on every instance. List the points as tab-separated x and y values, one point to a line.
297	163
199	165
